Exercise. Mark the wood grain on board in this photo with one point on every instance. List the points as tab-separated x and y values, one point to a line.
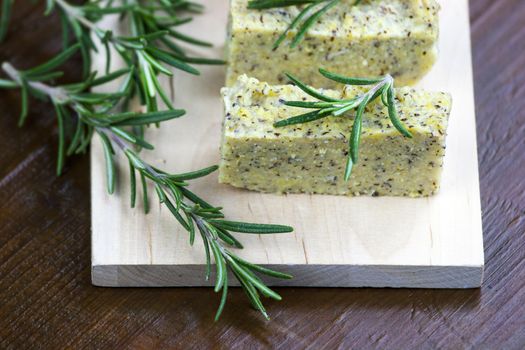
47	300
338	241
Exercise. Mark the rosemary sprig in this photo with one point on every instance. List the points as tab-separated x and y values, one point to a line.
328	106
94	113
306	18
153	44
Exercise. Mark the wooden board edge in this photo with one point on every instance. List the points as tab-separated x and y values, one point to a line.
375	276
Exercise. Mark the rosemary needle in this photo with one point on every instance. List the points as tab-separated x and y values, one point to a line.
307	17
327	106
4	17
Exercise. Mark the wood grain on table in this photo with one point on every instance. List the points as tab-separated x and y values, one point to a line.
46	297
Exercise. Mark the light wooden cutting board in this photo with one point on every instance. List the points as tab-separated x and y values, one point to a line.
338	241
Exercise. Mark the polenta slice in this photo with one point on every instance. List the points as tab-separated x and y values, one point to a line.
376	37
311	157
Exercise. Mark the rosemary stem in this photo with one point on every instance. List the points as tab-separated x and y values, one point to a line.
201	224
117	140
385	81
123	146
55	93
77	14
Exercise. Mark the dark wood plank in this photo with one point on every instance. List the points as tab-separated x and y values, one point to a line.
47	301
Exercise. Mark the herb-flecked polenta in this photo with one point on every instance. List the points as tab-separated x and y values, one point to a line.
374	38
311	157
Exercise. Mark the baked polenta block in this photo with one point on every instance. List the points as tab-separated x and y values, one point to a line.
311	157
373	38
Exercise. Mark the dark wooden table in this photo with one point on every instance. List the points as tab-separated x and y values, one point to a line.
47	301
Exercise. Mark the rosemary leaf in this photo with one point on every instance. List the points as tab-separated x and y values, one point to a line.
133	184
53	63
267	4
176	214
65	27
309	90
245	227
194	174
294	24
79	129
186	38
307	104
252	294
261	269
194	198
161	92
4	17
303	118
310	21
349	166
110	165
130	138
61	139
147	118
223	298
392	113
110	77
355	136
156	64
191	227
47	76
85	139
228	238
160	193
24	89
172	60
206	251
245	274
201	60
220	266
348	80
145	201
8	84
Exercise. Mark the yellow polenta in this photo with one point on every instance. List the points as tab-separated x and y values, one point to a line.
371	39
311	157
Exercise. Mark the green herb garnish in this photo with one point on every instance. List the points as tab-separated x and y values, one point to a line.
328	106
151	46
309	15
153	40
